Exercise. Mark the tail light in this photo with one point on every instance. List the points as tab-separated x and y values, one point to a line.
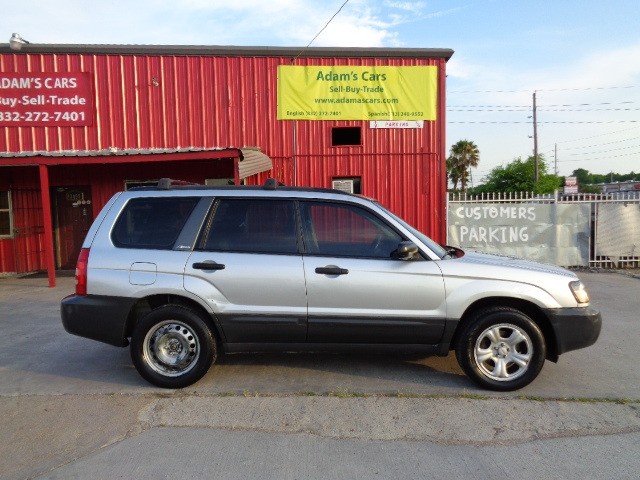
81	272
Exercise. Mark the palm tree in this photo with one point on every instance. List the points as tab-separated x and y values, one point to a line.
453	171
463	155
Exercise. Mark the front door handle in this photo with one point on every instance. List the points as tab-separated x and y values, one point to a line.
332	270
208	265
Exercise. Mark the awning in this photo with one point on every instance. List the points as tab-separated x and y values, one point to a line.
250	160
253	161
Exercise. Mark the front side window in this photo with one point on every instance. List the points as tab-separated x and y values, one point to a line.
253	226
336	229
152	223
6	217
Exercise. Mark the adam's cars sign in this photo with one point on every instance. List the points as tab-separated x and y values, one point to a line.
51	99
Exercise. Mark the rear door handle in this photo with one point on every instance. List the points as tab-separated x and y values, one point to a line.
331	270
208	265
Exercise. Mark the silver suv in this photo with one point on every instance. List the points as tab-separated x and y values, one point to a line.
183	273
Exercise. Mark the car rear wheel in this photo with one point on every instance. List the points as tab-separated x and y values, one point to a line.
502	349
172	347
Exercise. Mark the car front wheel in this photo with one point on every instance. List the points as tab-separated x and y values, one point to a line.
172	347
502	349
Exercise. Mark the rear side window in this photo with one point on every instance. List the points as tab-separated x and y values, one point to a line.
253	226
152	223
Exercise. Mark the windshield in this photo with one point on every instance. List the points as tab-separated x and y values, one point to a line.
433	246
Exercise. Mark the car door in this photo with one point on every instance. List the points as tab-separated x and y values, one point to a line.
248	268
357	291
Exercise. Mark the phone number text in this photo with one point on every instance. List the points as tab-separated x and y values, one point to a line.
42	117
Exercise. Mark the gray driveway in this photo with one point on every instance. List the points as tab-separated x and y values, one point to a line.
75	408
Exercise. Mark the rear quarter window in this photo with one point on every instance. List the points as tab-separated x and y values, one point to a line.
152	223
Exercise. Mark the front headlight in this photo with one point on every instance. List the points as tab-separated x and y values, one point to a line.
579	291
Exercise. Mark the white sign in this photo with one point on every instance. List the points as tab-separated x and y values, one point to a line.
397	124
552	233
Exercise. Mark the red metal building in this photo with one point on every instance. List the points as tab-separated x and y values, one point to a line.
116	116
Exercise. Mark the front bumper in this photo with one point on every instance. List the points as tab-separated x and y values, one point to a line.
574	328
97	317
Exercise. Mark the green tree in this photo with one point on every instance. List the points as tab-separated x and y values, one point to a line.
518	176
463	155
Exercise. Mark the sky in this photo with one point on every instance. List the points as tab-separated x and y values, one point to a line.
581	58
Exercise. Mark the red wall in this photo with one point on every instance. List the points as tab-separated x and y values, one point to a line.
153	101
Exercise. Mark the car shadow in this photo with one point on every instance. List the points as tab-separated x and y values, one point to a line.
322	373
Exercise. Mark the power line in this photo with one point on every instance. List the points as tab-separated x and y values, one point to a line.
518	108
587	104
597	136
589	110
321	30
594	122
490	110
546	89
601	144
488	91
489	106
603	151
601	158
585	88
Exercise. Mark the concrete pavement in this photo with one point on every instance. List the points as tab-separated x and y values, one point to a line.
73	408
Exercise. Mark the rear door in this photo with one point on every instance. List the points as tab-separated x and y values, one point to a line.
249	270
357	291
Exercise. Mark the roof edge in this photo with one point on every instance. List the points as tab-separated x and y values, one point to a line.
229	50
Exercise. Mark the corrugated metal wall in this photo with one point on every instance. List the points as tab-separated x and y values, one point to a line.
148	101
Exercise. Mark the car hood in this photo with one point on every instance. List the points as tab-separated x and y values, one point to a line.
488	265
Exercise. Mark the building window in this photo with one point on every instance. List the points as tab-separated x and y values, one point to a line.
344	136
129	184
6	217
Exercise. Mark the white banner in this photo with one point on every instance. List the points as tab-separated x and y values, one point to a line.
550	233
618	230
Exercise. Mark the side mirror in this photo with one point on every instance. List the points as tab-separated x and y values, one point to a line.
406	250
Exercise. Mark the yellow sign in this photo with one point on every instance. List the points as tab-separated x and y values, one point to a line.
357	93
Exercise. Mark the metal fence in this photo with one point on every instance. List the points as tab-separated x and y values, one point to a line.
600	230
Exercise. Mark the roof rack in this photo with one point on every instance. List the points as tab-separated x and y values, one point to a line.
272	184
167	183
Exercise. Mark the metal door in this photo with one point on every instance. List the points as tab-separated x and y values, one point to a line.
28	230
73	215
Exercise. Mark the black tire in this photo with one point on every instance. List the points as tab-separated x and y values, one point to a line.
501	349
172	347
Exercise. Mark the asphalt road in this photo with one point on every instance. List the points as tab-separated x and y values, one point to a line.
74	408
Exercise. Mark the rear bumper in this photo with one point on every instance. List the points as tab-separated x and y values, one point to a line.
97	317
574	328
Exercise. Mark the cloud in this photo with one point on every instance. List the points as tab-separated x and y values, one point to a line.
360	23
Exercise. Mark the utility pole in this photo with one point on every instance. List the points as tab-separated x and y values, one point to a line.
555	158
535	142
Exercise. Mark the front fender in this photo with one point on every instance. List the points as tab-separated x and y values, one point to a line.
463	292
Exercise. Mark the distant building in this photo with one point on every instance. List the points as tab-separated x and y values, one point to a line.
629	186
